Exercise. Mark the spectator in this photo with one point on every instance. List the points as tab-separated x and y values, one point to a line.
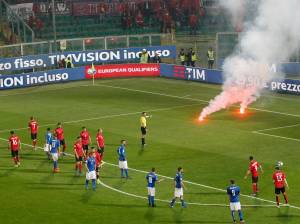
193	22
39	26
139	19
69	63
189	57
156	58
167	23
210	58
182	57
144	57
194	59
62	63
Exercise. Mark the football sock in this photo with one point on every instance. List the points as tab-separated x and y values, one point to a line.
76	166
241	215
126	172
173	201
34	142
15	160
86	184
122	172
182	203
277	200
80	167
232	215
94	184
143	141
149	199
152	200
254	188
55	164
285	198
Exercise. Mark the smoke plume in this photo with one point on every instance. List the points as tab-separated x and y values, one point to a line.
271	36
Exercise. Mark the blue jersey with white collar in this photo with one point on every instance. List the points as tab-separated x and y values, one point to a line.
121	152
151	179
233	191
91	162
178	180
55	144
48	138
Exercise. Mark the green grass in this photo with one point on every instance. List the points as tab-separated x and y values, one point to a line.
211	153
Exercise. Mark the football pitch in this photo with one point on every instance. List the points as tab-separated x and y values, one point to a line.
211	153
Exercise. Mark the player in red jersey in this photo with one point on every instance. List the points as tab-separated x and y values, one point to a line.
98	158
280	183
253	169
14	145
86	139
100	142
33	128
59	131
79	154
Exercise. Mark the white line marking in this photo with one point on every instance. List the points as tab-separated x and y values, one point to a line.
188	98
103	117
276	136
170	178
168	201
276	128
204	186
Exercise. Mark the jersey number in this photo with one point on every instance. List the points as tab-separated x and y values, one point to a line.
233	192
279	177
14	142
150	180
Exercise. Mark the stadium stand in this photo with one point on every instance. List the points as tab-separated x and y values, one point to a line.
115	17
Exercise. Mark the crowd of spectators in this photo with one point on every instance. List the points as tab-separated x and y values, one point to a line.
168	14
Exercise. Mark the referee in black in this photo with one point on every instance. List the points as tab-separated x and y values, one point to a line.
143	121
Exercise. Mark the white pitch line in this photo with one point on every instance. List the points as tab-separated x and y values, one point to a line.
190	182
276	128
168	201
204	186
189	98
103	117
276	136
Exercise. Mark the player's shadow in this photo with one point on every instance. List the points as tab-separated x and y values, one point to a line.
118	205
150	215
85	198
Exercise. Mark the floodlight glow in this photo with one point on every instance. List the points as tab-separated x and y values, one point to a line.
242	110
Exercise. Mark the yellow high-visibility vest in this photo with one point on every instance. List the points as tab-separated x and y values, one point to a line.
194	57
210	55
144	58
182	57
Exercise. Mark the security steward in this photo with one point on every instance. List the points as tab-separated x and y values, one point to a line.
210	58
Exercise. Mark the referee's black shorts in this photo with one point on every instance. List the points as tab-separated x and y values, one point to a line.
144	130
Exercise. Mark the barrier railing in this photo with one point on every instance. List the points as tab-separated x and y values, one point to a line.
81	44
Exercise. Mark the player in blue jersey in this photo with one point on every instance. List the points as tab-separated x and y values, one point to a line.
151	180
233	192
122	159
91	170
55	144
178	188
48	140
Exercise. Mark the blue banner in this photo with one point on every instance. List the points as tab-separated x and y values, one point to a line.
84	57
191	73
41	78
289	86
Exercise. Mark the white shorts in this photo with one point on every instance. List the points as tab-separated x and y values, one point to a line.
54	156
47	148
235	206
151	191
178	192
91	175
123	165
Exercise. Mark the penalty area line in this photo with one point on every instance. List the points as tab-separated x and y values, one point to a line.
105	117
276	136
189	98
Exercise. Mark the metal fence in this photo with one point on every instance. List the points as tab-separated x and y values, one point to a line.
81	44
17	24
